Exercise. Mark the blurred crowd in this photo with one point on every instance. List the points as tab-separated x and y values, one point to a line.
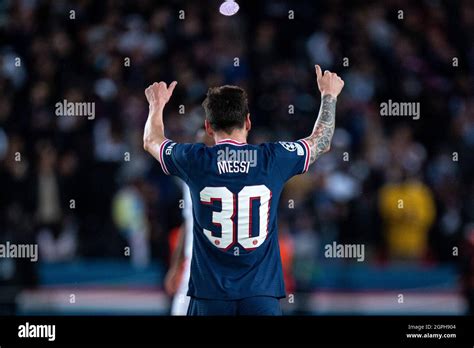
84	187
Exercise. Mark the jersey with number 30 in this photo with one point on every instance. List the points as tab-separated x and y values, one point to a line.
235	189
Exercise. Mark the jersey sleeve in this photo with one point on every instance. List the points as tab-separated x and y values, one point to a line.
291	158
178	159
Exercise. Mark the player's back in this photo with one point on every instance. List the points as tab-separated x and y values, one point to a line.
235	189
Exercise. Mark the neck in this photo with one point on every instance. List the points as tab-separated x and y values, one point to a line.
237	135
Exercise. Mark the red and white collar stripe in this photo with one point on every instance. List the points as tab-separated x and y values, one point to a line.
230	142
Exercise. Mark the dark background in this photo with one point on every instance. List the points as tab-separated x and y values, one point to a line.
112	50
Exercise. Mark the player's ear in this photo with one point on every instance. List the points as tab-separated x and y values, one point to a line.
248	123
208	128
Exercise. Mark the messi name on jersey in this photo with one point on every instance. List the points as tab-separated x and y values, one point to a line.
236	160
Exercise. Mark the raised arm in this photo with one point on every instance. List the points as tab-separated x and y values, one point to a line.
157	94
330	85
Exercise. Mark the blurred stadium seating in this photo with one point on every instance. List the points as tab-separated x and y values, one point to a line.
107	52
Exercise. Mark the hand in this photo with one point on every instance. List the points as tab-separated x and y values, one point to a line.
328	83
158	94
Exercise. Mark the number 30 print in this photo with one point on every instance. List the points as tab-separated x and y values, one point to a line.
225	218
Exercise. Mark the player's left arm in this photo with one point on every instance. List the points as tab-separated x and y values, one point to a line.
158	95
319	141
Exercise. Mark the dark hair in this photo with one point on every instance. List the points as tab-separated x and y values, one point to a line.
226	108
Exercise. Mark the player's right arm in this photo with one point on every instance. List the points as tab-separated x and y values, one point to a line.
158	95
319	142
175	159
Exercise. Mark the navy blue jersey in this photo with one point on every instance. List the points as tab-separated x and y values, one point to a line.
235	189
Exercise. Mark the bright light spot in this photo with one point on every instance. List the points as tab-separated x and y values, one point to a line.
229	8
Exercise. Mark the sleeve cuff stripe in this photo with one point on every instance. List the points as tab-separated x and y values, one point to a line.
308	153
162	162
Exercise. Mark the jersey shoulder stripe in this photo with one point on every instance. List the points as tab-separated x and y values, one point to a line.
163	164
308	154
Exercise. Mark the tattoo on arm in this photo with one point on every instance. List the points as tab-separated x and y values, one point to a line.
320	139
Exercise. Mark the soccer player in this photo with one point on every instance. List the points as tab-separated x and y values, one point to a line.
177	278
235	188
